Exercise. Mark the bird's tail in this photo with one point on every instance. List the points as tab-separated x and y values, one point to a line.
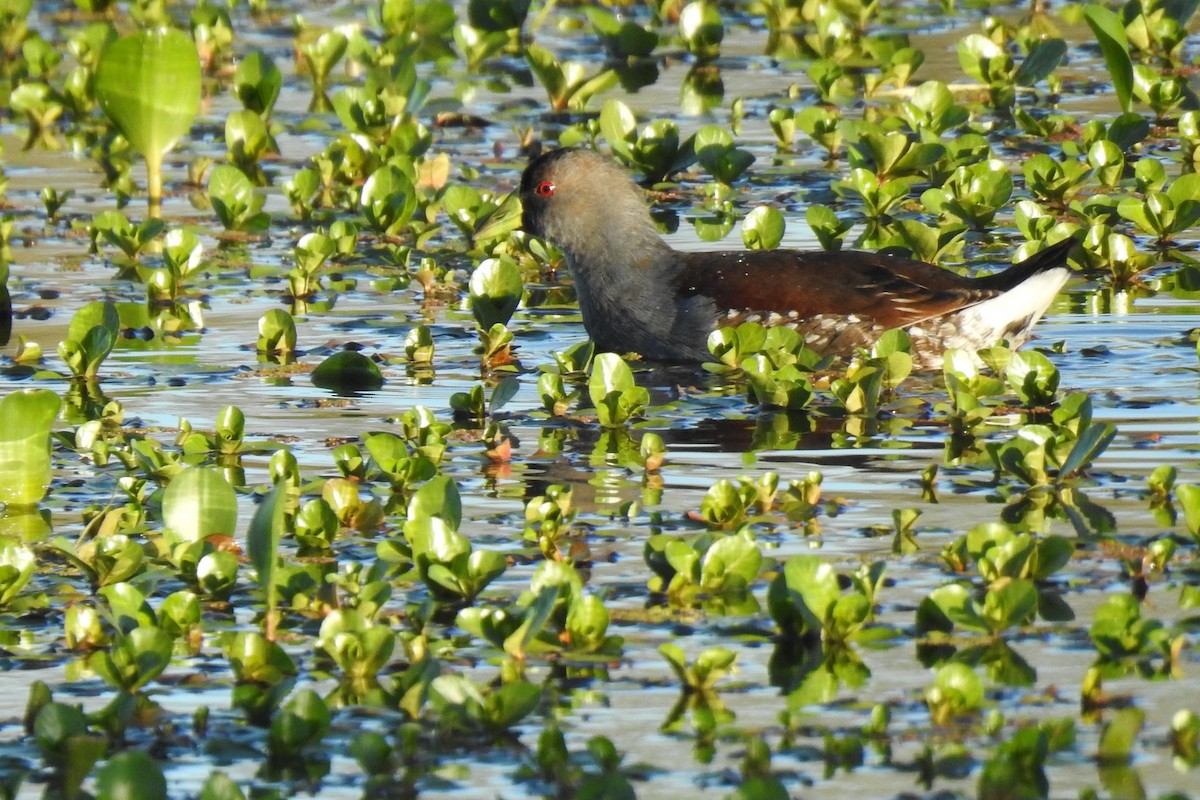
1043	260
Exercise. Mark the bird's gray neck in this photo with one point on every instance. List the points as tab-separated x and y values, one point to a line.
625	284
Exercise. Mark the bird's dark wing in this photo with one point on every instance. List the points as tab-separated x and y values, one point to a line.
884	291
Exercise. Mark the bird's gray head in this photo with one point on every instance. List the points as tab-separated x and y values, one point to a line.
587	206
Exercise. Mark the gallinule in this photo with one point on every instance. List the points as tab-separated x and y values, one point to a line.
638	294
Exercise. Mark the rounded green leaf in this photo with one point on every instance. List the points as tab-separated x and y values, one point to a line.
496	289
388	199
25	420
347	372
762	229
257	82
131	775
198	503
148	83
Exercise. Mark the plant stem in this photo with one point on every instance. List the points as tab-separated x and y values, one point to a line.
154	183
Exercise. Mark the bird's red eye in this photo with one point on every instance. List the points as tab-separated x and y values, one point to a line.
545	189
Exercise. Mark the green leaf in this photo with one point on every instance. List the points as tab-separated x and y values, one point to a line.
257	82
1189	497
220	786
702	29
762	229
148	84
1091	443
131	775
956	690
954	601
1044	57
25	470
262	539
91	337
199	503
1120	735
302	721
496	289
801	594
1114	44
1033	377
614	393
235	200
388	199
618	125
348	372
437	498
731	563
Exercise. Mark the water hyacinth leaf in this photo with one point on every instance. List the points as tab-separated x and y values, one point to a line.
1119	736
566	85
1107	160
956	690
438	498
932	107
1094	441
533	622
981	58
220	786
456	573
257	82
497	15
235	200
622	38
801	594
276	332
135	659
1033	377
246	137
1044	57
1129	129
61	733
822	125
388	199
360	647
495	291
91	336
262	545
717	153
587	624
148	84
732	563
25	469
131	774
613	391
128	606
656	152
1114	45
1008	603
783	125
762	229
497	222
828	228
893	153
302	721
506	389
1189	497
702	29
954	603
198	503
348	372
17	562
182	251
